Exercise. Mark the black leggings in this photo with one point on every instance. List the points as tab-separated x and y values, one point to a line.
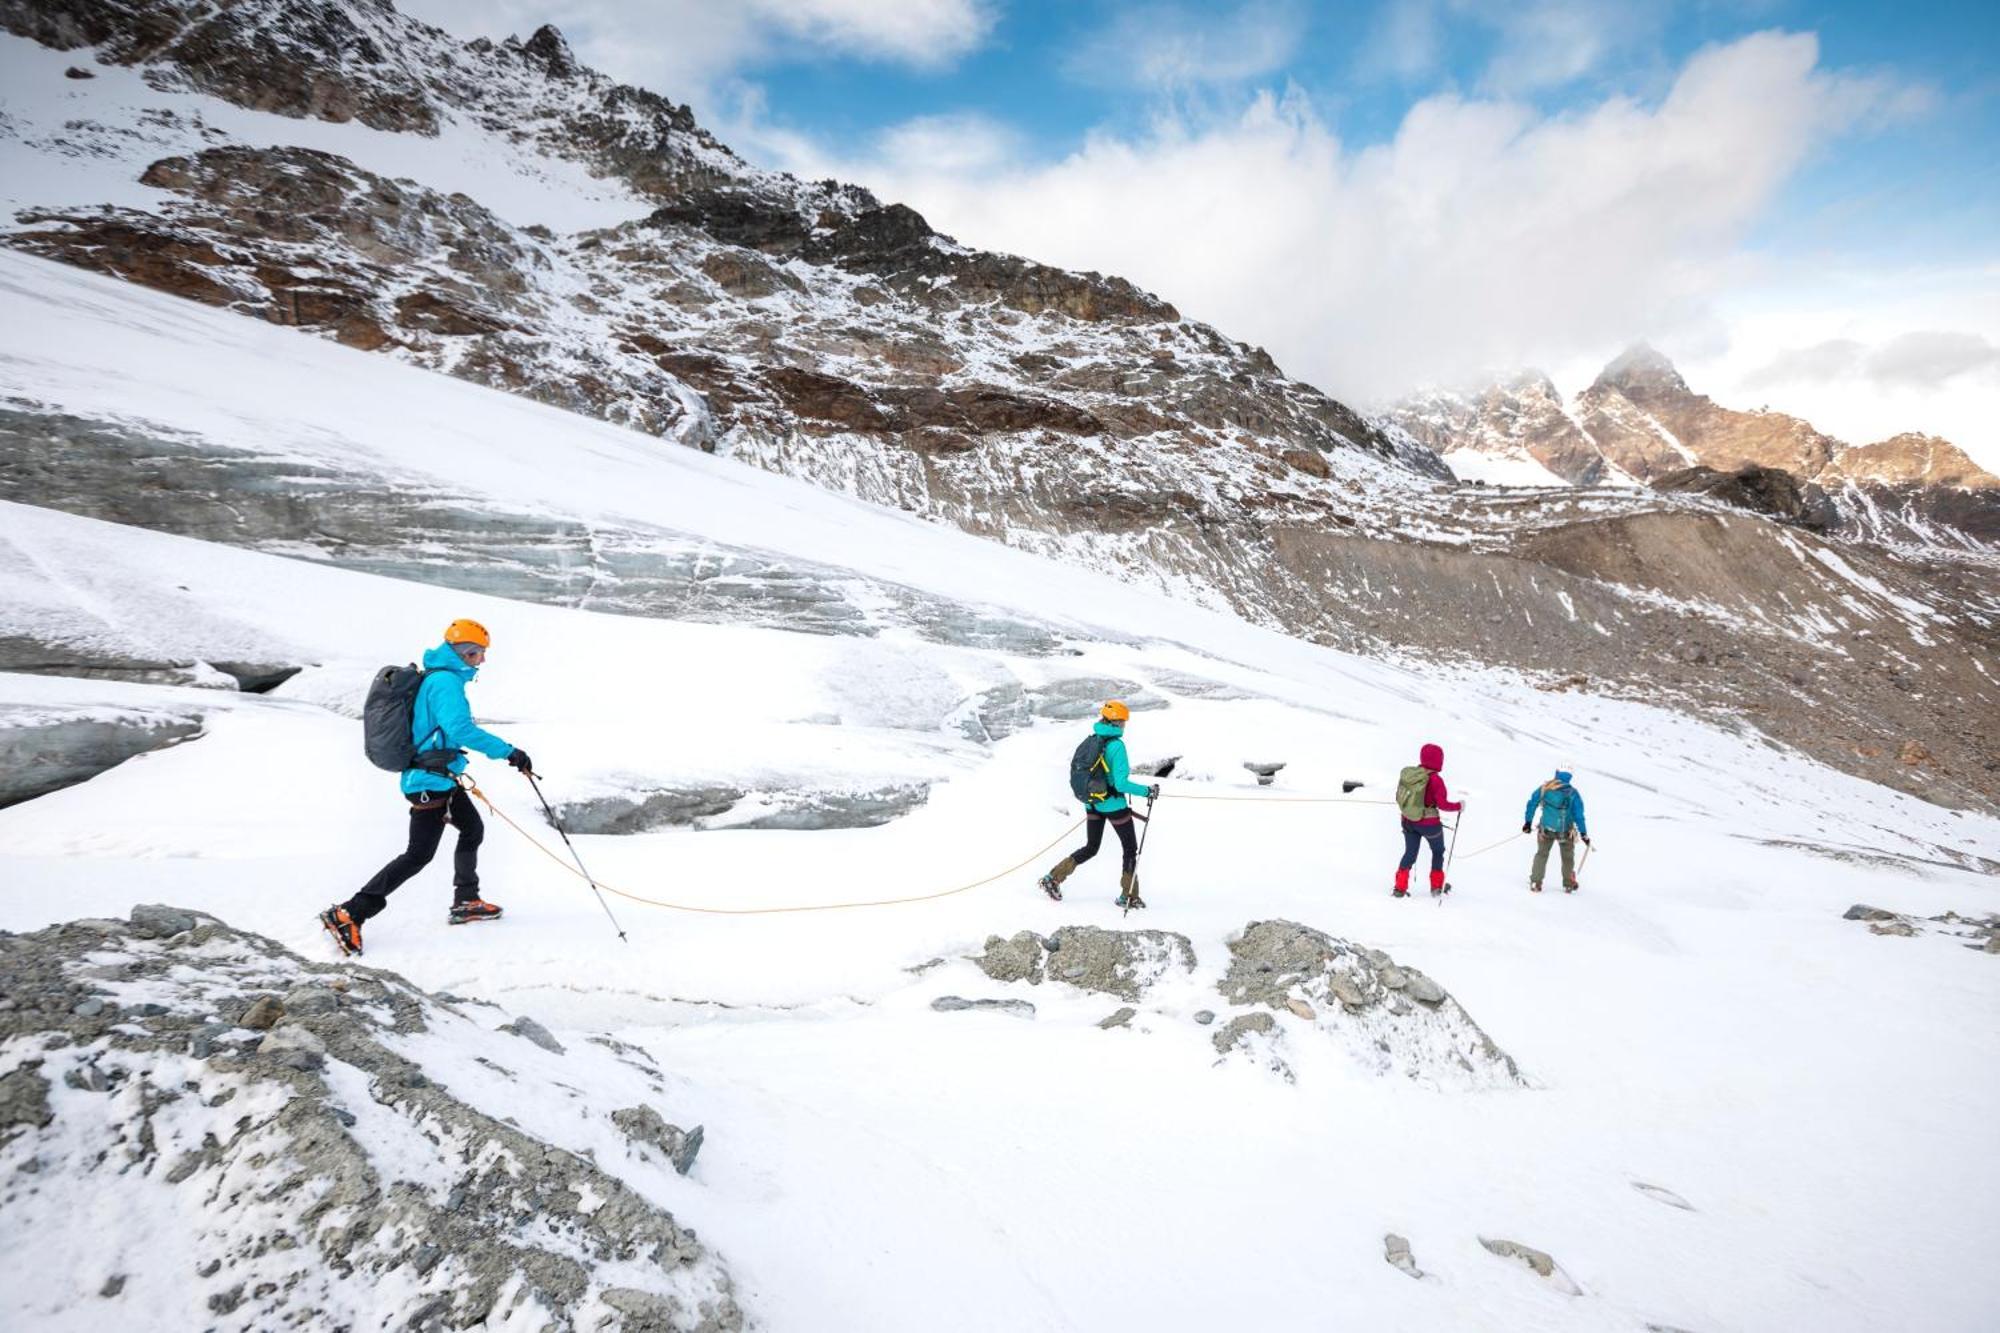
1414	834
1093	837
429	812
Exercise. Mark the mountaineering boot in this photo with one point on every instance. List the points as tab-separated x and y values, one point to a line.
1402	883
1438	886
1128	891
1569	888
473	909
346	931
1052	882
1534	888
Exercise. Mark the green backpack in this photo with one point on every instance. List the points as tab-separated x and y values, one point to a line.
1410	789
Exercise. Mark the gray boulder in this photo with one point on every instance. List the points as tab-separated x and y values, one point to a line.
1863	912
156	921
1536	1260
529	1030
643	1124
951	1004
1396	1252
1120	1019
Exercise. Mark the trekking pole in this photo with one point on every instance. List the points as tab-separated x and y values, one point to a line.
1448	853
1146	822
573	856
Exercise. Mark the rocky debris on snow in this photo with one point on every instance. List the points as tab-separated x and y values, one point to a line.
1390	1018
1255	1036
262	1015
643	1124
1982	933
45	748
1156	768
1541	1263
1863	912
1123	963
727	807
1396	1252
1267	773
529	1030
1204	1016
1017	958
308	1162
1661	1194
1122	1018
951	1004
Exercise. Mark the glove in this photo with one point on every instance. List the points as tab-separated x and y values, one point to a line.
518	758
1153	792
1586	842
1528	827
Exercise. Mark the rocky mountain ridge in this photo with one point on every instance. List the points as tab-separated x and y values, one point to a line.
277	158
1640	423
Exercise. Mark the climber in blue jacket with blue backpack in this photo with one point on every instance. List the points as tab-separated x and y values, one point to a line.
1561	808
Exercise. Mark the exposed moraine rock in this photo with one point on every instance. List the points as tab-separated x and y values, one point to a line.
315	1172
1536	1260
1123	963
1390	1018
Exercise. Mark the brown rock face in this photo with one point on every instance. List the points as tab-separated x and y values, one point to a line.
1648	422
1911	459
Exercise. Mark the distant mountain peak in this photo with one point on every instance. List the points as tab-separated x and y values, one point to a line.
1642	370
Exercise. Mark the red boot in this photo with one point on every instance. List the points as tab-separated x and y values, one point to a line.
1437	883
1402	883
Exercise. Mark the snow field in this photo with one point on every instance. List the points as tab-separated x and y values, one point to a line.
1698	1017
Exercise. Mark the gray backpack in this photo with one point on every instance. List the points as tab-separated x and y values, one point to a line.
386	719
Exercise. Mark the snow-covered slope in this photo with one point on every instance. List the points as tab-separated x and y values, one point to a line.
1698	1023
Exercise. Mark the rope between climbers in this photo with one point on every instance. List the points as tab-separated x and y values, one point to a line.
549	852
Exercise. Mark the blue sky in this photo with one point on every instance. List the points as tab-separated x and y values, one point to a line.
1418	191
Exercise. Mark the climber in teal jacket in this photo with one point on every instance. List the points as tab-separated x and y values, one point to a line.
1561	808
442	720
1117	767
1110	808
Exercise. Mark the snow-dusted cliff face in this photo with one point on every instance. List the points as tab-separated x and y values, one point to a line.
501	214
1638	423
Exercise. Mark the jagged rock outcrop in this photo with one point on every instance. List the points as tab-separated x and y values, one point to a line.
312	1170
1772	492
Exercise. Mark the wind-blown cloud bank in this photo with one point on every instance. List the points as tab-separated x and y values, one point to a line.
1483	235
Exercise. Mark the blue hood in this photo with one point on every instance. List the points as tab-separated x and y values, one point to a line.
1109	728
446	656
1562	776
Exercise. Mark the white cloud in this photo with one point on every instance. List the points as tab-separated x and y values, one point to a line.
687	49
1172	46
1483	235
1535	44
1865	353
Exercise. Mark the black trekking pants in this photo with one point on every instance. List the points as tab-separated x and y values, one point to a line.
1093	837
429	812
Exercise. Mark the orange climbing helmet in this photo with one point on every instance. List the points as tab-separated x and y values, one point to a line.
467	631
1114	711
